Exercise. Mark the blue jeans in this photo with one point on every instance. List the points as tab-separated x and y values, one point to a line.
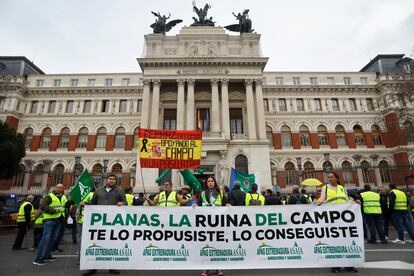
61	232
50	234
401	220
375	225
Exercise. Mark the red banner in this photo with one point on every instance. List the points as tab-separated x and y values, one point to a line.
169	149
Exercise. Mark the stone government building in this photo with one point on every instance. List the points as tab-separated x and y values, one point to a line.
286	126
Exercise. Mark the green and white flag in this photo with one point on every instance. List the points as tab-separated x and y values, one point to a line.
83	186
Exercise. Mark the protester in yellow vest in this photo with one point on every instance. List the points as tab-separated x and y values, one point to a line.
37	228
25	218
253	198
212	196
53	208
168	197
333	193
398	206
371	208
130	198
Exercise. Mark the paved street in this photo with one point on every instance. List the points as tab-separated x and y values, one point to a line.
379	258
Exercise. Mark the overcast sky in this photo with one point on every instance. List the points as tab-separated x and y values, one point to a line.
96	36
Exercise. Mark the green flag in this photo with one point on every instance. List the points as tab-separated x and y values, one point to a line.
162	175
191	180
83	186
245	180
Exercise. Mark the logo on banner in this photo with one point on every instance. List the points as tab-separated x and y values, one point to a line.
280	253
99	253
338	251
223	255
166	254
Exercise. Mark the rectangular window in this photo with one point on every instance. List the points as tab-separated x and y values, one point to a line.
74	82
69	106
352	105
91	82
170	119
347	81
105	106
296	81
364	81
139	106
87	108
123	105
56	83
282	105
317	104
108	82
82	141
314	81
125	82
286	139
39	83
203	119
52	107
330	81
266	104
335	104
236	120
299	104
34	106
64	142
370	104
2	101
340	139
101	141
279	81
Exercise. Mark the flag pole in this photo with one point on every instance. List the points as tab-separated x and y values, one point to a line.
140	168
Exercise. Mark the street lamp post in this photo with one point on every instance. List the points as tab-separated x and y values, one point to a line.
105	167
132	177
327	167
299	163
47	164
76	168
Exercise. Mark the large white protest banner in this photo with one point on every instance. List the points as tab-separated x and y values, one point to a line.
130	237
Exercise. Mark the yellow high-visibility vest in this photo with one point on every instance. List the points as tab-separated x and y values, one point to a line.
336	196
129	199
371	203
171	201
21	217
400	200
56	204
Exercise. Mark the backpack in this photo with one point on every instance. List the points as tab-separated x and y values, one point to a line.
254	202
298	199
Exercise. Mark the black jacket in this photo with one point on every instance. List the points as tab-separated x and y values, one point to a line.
237	197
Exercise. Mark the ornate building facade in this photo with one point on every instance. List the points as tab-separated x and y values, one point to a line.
284	126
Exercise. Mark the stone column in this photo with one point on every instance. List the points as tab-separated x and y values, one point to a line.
261	122
155	107
13	104
225	108
251	123
360	177
190	104
145	105
82	107
180	104
46	107
215	106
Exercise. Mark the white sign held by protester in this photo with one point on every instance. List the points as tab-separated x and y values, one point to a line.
154	238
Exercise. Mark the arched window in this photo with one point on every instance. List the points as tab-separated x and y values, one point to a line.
64	138
101	138
290	173
38	176
96	174
347	172
323	136
28	136
83	138
45	139
358	135
19	178
120	138
366	172
376	135
340	135
241	164
58	174
308	170
136	138
384	169
269	135
117	169
286	136
304	136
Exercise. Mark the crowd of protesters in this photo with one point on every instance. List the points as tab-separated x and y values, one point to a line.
48	221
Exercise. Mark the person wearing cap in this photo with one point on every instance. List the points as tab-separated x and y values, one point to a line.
187	195
25	218
168	197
